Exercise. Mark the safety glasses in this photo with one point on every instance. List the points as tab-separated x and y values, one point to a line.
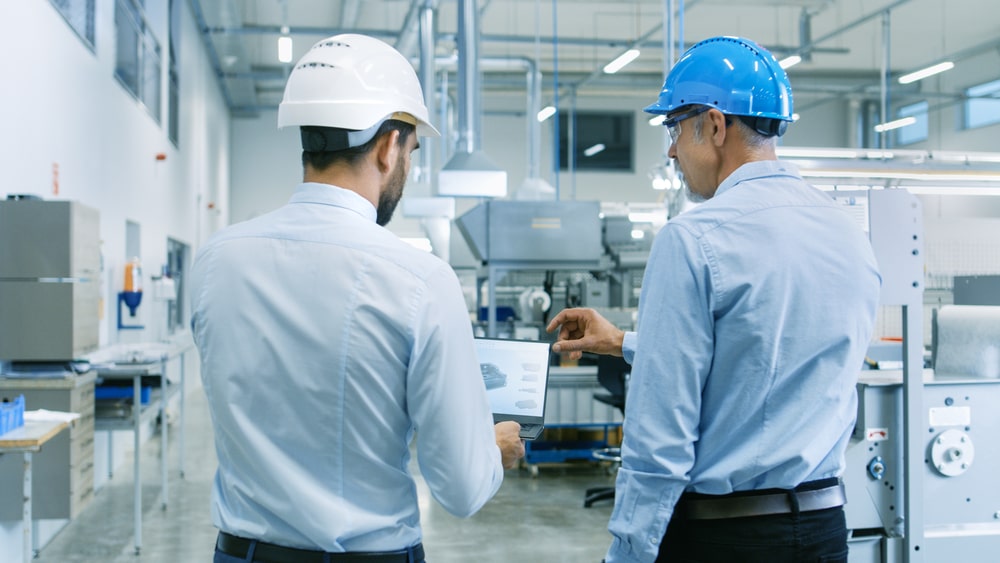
673	123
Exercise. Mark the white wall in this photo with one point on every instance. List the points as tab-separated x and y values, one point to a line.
61	105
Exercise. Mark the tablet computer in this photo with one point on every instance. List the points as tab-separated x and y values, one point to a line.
516	375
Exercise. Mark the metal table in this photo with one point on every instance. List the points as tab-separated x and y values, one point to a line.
27	440
152	362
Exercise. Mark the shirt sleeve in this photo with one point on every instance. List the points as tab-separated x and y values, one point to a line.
446	398
672	356
628	347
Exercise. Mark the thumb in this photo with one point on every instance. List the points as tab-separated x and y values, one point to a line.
578	345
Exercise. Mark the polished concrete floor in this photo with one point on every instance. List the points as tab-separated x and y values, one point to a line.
533	518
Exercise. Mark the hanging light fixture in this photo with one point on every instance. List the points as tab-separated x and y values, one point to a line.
790	61
285	41
620	61
285	46
890	125
545	113
925	72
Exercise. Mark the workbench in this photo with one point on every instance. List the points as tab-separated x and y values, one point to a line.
27	440
133	363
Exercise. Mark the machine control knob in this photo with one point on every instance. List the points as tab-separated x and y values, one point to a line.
876	467
952	453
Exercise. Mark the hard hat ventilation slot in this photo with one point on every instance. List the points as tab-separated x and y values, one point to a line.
324	44
315	65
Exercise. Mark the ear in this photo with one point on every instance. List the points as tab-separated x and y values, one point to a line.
716	126
386	151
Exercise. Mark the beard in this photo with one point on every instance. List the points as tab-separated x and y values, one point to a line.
693	197
388	199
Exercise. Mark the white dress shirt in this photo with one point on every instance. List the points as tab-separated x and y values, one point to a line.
326	343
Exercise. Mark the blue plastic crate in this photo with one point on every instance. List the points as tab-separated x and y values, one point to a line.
11	414
121	392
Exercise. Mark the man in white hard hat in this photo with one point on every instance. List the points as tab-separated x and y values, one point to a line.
327	343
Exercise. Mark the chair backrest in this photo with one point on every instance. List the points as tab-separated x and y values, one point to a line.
611	374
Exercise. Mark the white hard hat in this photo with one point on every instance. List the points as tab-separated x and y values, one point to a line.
353	82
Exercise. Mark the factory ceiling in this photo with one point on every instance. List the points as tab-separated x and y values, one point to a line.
847	46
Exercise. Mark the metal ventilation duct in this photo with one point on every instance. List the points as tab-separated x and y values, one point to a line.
470	172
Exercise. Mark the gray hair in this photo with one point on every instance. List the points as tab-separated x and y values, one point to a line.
751	138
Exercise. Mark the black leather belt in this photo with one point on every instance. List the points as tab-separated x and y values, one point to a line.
270	553
741	506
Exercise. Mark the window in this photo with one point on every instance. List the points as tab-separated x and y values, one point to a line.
138	59
916	132
983	105
178	258
79	14
602	140
173	74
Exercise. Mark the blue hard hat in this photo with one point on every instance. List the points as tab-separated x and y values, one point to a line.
731	74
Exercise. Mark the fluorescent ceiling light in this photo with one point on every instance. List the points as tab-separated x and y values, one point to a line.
965	157
929	175
951	190
622	60
657	119
285	49
924	73
890	125
545	113
786	152
422	243
642	217
790	61
591	151
795	117
638	234
879	155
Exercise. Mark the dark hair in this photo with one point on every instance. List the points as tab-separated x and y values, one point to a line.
320	161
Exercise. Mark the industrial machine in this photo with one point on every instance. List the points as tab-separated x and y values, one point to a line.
923	459
540	256
49	279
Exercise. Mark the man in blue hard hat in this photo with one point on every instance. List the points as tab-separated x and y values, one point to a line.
752	328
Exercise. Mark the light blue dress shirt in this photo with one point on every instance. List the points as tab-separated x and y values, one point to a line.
756	311
326	343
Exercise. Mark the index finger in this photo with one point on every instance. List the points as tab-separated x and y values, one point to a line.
562	317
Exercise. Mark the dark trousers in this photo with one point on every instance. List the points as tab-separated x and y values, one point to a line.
226	558
258	552
819	536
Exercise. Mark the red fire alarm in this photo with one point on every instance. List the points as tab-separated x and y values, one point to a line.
161	156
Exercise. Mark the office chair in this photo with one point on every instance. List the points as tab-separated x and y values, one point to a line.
612	374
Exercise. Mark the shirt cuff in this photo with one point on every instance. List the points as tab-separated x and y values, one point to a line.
628	346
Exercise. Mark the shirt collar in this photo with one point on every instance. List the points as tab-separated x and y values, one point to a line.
327	194
758	169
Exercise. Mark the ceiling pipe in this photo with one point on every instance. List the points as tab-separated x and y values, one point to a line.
470	172
434	213
533	87
812	46
805	33
213	56
428	10
406	41
469	91
884	89
349	13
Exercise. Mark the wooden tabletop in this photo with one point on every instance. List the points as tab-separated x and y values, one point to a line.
31	436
